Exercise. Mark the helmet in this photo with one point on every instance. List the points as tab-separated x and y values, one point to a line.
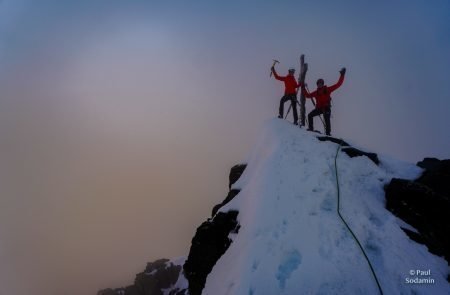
291	70
320	81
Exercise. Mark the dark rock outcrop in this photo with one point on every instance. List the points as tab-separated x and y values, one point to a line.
235	173
211	239
350	151
208	245
436	174
425	204
353	152
158	275
210	242
332	139
231	194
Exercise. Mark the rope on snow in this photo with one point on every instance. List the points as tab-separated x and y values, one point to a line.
347	226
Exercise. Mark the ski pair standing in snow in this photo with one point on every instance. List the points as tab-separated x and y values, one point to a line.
290	92
323	101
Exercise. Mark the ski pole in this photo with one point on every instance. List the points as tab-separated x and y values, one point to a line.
287	113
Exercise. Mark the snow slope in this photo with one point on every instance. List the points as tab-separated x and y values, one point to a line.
291	240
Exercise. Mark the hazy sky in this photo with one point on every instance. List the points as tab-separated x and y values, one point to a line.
119	120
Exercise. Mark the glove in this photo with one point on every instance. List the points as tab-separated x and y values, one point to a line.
342	71
272	69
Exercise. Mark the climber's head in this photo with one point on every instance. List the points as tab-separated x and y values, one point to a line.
320	83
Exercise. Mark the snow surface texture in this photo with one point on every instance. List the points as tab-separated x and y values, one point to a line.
291	239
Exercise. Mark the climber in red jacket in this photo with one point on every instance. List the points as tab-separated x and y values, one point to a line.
323	101
290	92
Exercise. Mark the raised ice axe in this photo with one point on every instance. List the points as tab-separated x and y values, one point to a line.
274	63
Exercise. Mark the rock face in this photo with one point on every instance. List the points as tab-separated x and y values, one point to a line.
212	239
425	204
231	194
158	275
235	173
332	139
208	245
354	152
351	151
210	242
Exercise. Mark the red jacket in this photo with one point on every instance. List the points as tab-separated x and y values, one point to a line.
322	94
290	84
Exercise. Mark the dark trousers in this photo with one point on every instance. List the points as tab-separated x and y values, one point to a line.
326	114
293	99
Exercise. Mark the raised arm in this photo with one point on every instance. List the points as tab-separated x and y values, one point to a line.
276	75
339	82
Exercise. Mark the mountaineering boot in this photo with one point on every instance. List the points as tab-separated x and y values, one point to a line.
280	117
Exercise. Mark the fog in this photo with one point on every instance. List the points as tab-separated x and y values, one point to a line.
119	121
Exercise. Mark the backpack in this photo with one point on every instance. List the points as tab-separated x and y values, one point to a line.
324	90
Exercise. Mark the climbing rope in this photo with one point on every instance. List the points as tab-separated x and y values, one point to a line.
348	227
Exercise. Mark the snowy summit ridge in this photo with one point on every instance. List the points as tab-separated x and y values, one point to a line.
291	240
278	232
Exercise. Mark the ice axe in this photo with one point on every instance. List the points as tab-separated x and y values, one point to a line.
274	63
